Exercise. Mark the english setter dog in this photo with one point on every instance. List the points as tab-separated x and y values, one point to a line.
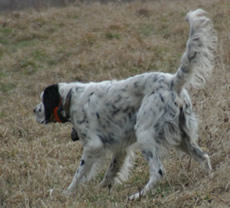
152	111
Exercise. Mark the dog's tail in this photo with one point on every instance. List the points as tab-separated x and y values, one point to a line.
197	61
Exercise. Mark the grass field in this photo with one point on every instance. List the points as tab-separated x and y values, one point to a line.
94	42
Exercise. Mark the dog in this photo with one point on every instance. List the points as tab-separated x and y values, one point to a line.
151	111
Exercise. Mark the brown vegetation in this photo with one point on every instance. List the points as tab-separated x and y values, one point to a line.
94	42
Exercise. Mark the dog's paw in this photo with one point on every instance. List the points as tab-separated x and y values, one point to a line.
105	183
67	193
136	196
207	165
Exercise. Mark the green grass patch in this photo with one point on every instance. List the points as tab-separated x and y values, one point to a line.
10	45
3	74
111	36
29	66
6	87
2	51
146	29
25	43
2	114
162	190
39	55
4	35
40	59
5	31
4	41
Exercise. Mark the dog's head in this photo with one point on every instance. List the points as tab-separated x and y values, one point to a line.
53	106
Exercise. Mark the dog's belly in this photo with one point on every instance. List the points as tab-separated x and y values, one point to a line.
113	129
116	131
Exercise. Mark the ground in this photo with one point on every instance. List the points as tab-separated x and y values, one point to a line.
94	42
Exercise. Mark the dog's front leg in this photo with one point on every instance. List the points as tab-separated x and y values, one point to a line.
79	176
114	167
82	173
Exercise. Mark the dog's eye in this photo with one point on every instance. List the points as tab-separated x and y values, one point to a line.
39	110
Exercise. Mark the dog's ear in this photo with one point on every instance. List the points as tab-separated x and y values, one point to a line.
66	105
50	99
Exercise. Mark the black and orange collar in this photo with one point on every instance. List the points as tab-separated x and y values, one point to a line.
57	112
58	115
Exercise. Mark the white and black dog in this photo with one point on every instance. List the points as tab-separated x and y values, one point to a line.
152	110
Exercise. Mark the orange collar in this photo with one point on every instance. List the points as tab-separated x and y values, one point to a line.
57	118
60	108
57	112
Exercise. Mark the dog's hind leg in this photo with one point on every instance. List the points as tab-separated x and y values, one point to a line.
156	170
148	117
192	149
188	127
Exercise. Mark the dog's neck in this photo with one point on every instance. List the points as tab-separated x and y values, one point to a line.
58	114
62	111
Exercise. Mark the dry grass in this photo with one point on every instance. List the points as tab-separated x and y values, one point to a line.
97	42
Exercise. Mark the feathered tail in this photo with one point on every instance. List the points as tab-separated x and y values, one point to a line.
197	61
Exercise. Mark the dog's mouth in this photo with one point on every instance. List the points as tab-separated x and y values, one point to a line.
41	121
44	122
